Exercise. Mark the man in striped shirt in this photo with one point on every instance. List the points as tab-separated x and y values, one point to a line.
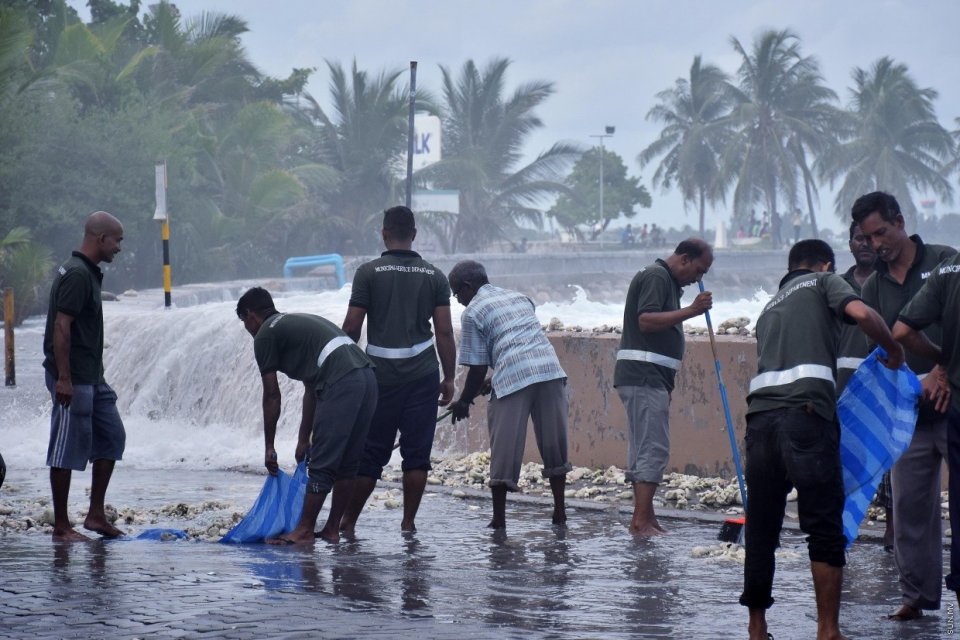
499	329
651	348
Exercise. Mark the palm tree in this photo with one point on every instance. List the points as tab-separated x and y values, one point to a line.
781	110
694	112
484	133
895	141
360	141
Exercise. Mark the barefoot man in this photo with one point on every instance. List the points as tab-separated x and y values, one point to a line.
650	352
85	424
339	398
793	438
499	329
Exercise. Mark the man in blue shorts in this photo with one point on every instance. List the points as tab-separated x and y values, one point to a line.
399	295
85	424
339	398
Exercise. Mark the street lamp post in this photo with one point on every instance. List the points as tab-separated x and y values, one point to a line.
607	132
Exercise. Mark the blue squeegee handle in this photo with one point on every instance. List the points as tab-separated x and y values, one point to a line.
726	411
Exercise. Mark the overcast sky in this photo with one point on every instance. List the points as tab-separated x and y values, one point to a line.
607	58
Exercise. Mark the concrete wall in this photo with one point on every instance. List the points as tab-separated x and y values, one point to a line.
597	422
606	274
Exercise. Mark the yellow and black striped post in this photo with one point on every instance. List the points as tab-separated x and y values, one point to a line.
165	234
161	215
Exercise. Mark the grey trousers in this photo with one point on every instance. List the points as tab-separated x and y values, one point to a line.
917	524
546	404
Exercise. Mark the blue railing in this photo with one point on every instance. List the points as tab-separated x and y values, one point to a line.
298	262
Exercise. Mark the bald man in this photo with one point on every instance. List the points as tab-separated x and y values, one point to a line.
85	424
651	349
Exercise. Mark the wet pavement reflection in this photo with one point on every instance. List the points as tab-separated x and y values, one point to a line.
452	579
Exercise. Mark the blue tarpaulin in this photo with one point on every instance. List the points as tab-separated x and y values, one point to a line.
276	511
878	412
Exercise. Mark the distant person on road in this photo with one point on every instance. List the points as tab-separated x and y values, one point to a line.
797	222
793	438
339	398
626	235
399	295
905	262
85	424
651	349
499	329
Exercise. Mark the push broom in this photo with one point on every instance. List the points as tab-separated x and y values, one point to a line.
732	528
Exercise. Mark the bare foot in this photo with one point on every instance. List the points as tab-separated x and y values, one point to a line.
69	535
294	537
408	527
330	535
648	528
101	526
906	613
559	516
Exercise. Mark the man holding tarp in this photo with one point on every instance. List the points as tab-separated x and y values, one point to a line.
792	437
938	301
905	262
339	398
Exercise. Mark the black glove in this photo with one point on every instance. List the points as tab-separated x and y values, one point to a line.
460	410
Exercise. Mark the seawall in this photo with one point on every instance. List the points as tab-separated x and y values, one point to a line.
699	443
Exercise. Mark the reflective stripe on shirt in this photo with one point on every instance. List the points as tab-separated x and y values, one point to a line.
778	378
329	348
849	363
399	354
648	356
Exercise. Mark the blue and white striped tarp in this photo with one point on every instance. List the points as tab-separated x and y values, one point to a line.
878	412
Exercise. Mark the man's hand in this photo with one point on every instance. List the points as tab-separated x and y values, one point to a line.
302	447
460	410
894	358
64	391
270	461
702	303
487	386
935	389
446	392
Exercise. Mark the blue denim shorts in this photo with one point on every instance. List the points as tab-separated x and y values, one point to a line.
89	429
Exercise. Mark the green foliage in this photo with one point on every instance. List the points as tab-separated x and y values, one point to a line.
25	267
483	139
697	127
581	205
893	141
781	109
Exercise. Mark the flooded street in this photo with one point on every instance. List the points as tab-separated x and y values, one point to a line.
452	579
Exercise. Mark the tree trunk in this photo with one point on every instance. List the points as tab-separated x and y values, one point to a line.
702	211
807	181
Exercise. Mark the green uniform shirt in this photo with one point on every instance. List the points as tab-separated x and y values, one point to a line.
889	297
306	347
400	292
938	302
797	335
76	293
854	346
650	359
